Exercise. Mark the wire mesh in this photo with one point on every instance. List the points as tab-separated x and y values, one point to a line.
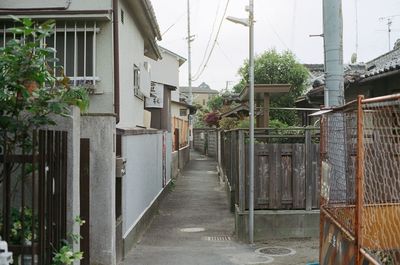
340	140
381	183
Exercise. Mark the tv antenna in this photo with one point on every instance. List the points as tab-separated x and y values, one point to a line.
389	22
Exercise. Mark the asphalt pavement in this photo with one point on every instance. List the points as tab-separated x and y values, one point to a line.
194	227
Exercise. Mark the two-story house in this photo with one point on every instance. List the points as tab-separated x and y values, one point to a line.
105	46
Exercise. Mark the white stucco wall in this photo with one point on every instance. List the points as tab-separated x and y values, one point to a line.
131	52
175	95
103	100
175	111
75	4
166	70
143	180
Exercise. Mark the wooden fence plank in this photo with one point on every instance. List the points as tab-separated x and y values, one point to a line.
278	175
273	196
298	176
262	176
287	175
241	172
308	168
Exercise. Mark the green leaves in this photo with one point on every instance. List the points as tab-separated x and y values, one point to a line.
29	91
272	67
66	255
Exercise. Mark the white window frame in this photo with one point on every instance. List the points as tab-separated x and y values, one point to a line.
136	82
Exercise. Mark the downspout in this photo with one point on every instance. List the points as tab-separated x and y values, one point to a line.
116	60
333	46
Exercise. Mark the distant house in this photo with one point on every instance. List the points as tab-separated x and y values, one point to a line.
165	83
168	113
201	94
377	77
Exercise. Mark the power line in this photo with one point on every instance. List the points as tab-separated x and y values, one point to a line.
293	37
173	24
214	44
224	54
276	33
209	40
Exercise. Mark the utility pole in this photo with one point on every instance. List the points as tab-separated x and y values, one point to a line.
189	40
333	46
250	23
251	155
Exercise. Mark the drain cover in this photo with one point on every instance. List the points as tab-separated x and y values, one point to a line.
217	238
193	230
276	251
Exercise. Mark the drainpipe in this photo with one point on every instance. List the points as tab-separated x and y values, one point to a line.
333	46
116	59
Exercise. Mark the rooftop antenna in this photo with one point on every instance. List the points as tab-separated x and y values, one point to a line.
356	3
389	22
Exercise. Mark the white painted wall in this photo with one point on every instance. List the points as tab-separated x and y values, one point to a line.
166	70
175	111
103	100
143	180
175	95
131	52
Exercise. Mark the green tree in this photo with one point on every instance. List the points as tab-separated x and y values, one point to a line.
215	103
272	67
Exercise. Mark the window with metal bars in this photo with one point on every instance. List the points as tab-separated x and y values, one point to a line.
136	82
75	43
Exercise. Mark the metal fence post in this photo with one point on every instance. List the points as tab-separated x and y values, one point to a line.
359	180
308	167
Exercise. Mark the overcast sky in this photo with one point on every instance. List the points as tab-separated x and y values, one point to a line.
281	24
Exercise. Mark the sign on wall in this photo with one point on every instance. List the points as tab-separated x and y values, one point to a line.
156	99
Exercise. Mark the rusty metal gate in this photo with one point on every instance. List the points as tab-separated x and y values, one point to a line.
34	198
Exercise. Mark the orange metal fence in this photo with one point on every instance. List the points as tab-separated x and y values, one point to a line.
360	178
180	128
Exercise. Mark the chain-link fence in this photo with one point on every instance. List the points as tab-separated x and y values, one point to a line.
360	151
381	179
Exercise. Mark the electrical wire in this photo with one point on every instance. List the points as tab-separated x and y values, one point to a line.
224	54
276	33
209	40
197	76
293	37
173	24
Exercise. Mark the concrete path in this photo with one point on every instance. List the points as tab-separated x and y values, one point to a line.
195	227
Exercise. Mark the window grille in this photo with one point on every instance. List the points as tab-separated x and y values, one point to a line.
75	44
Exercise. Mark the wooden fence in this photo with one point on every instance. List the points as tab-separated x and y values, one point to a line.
180	128
286	174
34	198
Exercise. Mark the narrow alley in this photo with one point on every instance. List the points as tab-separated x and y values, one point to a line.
194	226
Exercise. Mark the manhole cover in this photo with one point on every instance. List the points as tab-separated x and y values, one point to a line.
193	230
217	238
276	251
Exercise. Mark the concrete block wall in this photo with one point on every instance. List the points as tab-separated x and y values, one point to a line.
100	129
205	141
